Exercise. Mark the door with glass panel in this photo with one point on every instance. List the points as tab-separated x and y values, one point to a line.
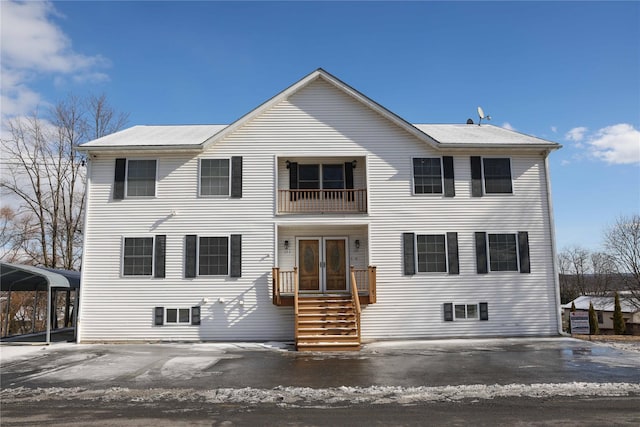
322	264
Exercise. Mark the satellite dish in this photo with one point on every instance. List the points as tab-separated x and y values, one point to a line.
482	115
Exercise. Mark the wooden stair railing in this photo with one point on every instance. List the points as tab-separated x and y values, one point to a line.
356	301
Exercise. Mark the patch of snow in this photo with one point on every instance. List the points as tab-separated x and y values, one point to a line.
305	396
186	367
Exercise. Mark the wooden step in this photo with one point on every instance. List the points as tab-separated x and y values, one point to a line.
328	346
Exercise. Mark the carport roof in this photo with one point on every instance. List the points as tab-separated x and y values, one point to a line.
18	277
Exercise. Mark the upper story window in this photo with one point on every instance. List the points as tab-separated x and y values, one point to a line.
141	178
497	175
427	175
494	173
214	177
432	254
316	177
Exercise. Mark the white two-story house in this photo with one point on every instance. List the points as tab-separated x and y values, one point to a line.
321	217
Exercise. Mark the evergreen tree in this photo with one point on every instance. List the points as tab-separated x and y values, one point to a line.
593	321
618	321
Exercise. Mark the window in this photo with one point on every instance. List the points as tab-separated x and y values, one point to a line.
214	177
427	175
178	316
308	177
600	317
465	311
138	256
503	252
432	255
141	178
213	256
453	311
497	175
333	177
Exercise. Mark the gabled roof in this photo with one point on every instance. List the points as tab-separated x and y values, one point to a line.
201	136
18	277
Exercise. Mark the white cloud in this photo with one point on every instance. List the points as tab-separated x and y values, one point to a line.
617	144
33	46
576	134
554	129
507	125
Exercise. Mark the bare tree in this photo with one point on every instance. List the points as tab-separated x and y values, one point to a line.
622	241
584	272
45	178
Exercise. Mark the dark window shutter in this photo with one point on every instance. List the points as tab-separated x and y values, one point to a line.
449	181
236	255
190	256
523	248
159	256
118	180
195	315
159	316
236	177
348	175
409	253
452	251
293	180
476	176
481	252
484	311
448	311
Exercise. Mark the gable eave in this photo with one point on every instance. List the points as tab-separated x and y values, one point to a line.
338	84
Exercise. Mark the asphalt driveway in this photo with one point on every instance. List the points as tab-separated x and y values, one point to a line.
392	373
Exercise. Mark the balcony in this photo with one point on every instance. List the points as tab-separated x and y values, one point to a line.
352	201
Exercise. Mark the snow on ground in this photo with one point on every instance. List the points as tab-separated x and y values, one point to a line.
304	396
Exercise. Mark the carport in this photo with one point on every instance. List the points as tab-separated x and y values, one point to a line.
18	277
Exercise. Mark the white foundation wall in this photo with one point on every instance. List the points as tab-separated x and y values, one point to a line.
317	121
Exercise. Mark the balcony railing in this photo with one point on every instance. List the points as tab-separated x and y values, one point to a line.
322	201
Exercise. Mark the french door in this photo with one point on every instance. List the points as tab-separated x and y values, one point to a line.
322	264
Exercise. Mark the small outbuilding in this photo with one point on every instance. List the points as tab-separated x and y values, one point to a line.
605	306
18	278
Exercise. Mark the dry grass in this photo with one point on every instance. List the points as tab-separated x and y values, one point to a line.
605	338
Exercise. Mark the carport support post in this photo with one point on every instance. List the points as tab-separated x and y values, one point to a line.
66	308
34	316
48	335
6	317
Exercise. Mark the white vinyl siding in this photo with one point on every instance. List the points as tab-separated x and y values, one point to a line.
328	126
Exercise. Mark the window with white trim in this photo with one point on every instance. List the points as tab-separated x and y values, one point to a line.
141	178
214	177
497	175
427	175
213	256
178	316
432	253
465	311
137	256
503	252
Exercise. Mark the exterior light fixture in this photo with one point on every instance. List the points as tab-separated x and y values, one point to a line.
286	245
357	242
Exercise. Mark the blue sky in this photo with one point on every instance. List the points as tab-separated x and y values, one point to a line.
565	71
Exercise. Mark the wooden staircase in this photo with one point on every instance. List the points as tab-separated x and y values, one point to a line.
327	323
